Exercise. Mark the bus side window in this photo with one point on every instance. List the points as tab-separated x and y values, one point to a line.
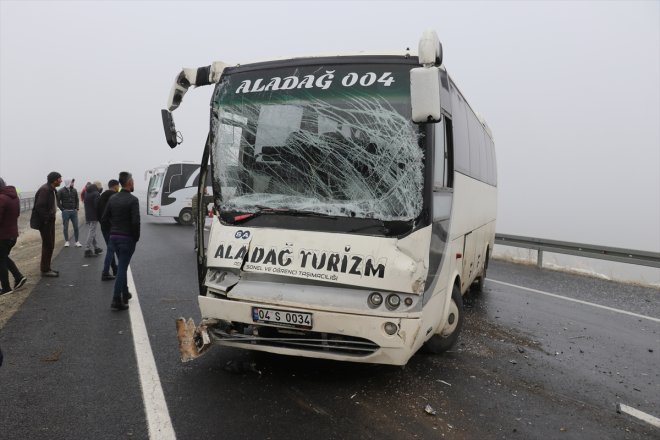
175	183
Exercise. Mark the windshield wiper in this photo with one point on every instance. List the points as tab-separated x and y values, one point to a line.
264	210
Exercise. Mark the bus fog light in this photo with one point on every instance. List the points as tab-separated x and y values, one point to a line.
390	328
393	301
408	301
375	299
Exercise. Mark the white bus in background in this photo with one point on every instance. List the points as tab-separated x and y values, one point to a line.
170	190
356	199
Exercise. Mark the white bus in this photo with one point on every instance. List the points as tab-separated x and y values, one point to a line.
357	203
170	190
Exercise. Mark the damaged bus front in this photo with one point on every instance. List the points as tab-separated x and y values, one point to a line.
333	209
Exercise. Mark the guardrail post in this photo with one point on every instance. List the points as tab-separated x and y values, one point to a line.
539	259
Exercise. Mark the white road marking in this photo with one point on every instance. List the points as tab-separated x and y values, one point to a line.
648	418
158	417
554	295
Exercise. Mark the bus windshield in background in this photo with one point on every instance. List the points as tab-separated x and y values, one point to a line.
328	139
155	182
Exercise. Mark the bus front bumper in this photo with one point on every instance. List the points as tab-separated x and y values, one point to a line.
336	336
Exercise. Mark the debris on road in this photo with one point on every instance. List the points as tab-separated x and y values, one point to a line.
429	410
53	357
442	381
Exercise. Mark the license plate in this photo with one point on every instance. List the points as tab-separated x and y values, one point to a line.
285	318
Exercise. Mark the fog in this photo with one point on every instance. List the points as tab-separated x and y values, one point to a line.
570	90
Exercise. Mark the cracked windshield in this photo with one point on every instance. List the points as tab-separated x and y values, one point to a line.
328	140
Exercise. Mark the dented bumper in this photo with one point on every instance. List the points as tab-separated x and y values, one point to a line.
334	336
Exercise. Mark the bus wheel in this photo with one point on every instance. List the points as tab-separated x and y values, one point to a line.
186	217
448	334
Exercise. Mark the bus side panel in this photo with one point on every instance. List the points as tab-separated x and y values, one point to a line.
473	224
183	200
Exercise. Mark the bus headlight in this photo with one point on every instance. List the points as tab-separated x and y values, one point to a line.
375	299
393	301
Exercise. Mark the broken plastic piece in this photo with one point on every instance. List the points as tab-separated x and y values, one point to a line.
429	410
193	342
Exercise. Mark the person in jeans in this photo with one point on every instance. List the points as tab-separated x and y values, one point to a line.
43	219
123	214
10	208
92	196
67	201
113	188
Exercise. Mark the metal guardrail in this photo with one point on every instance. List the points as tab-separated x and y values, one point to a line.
27	203
643	258
27	200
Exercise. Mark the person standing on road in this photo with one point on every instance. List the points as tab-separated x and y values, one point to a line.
10	209
43	219
83	191
92	196
67	201
123	214
113	188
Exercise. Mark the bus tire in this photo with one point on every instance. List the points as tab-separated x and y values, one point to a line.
447	335
186	217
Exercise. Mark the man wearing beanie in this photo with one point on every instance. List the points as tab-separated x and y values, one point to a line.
43	219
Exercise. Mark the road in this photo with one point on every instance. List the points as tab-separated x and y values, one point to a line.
527	365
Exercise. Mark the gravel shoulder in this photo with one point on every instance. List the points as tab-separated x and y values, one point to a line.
27	255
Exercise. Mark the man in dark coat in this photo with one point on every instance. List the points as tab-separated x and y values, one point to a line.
10	208
43	219
123	214
113	188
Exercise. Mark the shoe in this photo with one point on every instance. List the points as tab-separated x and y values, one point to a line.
20	283
118	306
126	296
66	244
89	253
78	244
51	273
107	277
98	251
6	292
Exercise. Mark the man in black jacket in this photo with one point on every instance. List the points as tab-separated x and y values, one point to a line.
113	188
123	214
67	201
92	196
43	219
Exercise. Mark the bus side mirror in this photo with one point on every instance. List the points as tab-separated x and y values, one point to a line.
170	130
425	94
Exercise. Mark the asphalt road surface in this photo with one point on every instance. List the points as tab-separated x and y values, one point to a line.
528	365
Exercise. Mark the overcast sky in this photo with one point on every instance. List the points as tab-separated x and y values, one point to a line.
571	91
